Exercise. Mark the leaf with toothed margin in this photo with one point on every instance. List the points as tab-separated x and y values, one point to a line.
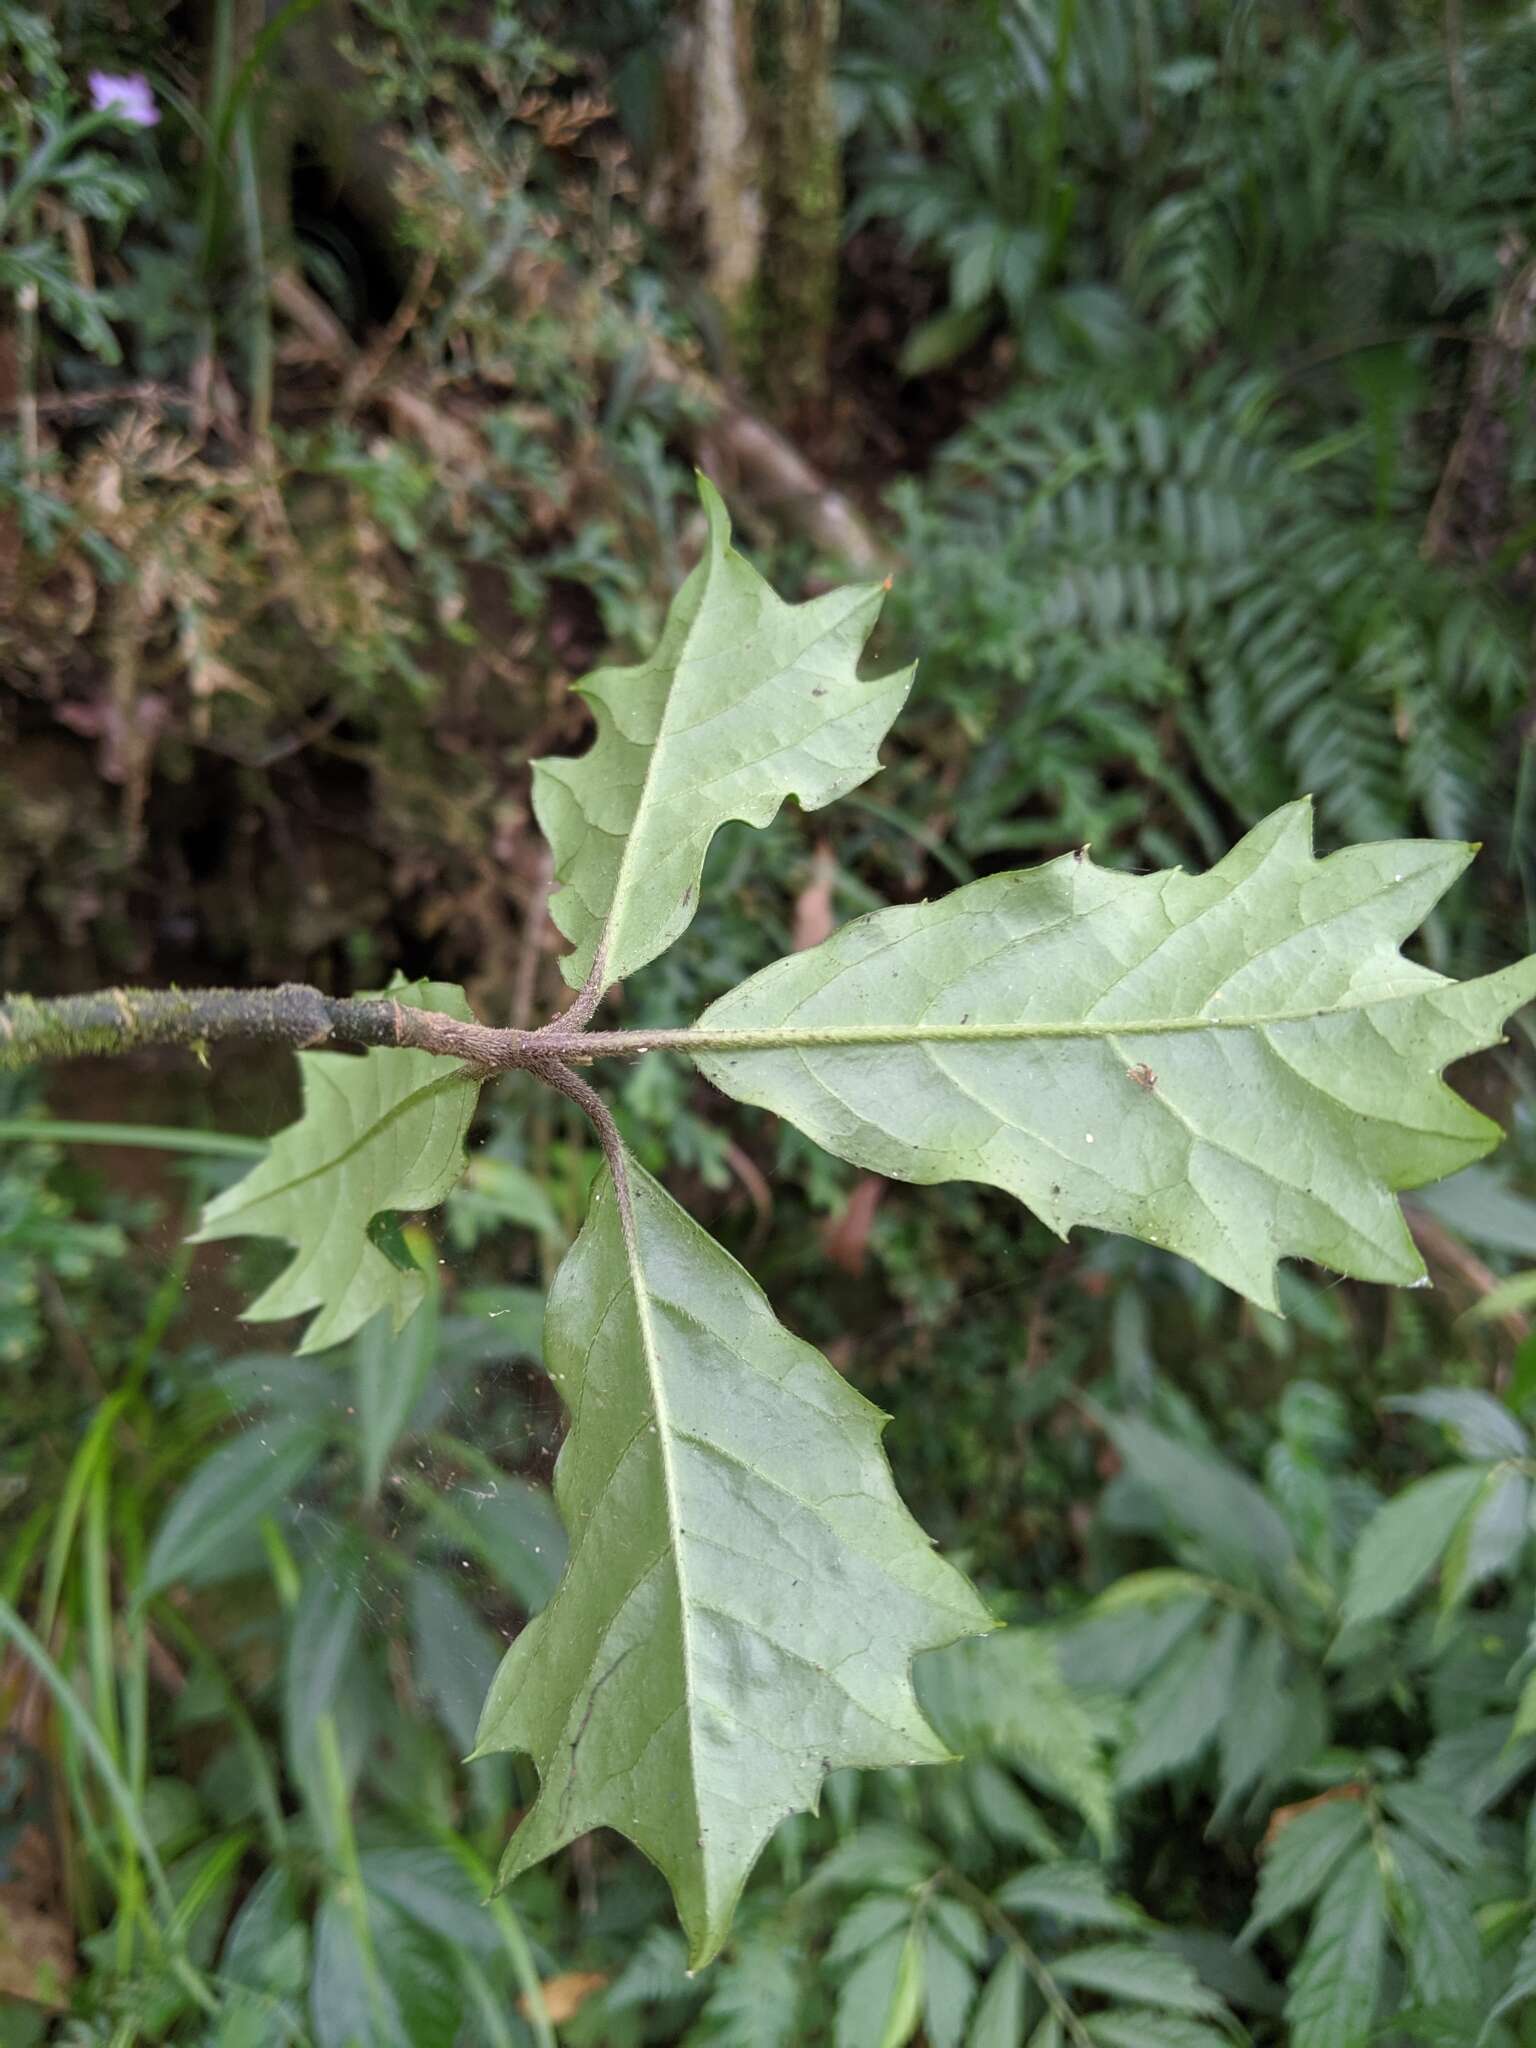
745	1591
378	1134
746	700
1239	1066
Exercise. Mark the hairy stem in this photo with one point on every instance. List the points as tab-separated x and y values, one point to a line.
122	1019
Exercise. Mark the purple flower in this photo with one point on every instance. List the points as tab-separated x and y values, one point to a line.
129	98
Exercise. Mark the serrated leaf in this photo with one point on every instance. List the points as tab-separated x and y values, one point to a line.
1234	1529
755	1999
1147	1976
1476	1765
1005	1693
1253	1734
1337	1979
1437	1821
1181	1711
1301	1858
1239	1066
1405	1540
866	1923
1153	2030
1440	1937
998	2020
746	700
1076	1894
881	2001
882	1855
949	1986
382	1132
745	1591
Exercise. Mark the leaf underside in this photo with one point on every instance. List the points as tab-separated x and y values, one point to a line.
745	1591
379	1133
1238	1066
746	700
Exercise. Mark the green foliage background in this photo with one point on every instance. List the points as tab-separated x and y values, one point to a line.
1181	366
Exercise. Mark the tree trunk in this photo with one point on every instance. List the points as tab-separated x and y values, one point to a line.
796	42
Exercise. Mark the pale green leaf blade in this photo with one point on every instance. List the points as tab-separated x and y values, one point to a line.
1336	1983
1239	1066
1404	1541
746	700
745	1591
379	1133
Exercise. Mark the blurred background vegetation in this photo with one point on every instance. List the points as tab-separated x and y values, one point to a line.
355	356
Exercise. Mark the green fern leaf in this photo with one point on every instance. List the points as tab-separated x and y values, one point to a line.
378	1134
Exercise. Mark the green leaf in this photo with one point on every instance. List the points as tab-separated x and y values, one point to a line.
1440	1937
1337	1980
1437	1820
881	1855
1488	1539
745	1591
1233	1527
511	1526
1479	1426
1131	1971
1153	2030
1181	1711
1301	1858
755	1998
1239	1066
949	1986
390	1370
881	2001
1405	1540
866	1923
1521	1986
1005	1693
746	700
1272	1703
1073	1893
234	1486
998	2020
381	1132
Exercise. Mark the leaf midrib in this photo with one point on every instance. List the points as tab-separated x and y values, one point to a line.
799	1037
630	1234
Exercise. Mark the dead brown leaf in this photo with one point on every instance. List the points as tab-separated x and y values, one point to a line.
814	920
565	1995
